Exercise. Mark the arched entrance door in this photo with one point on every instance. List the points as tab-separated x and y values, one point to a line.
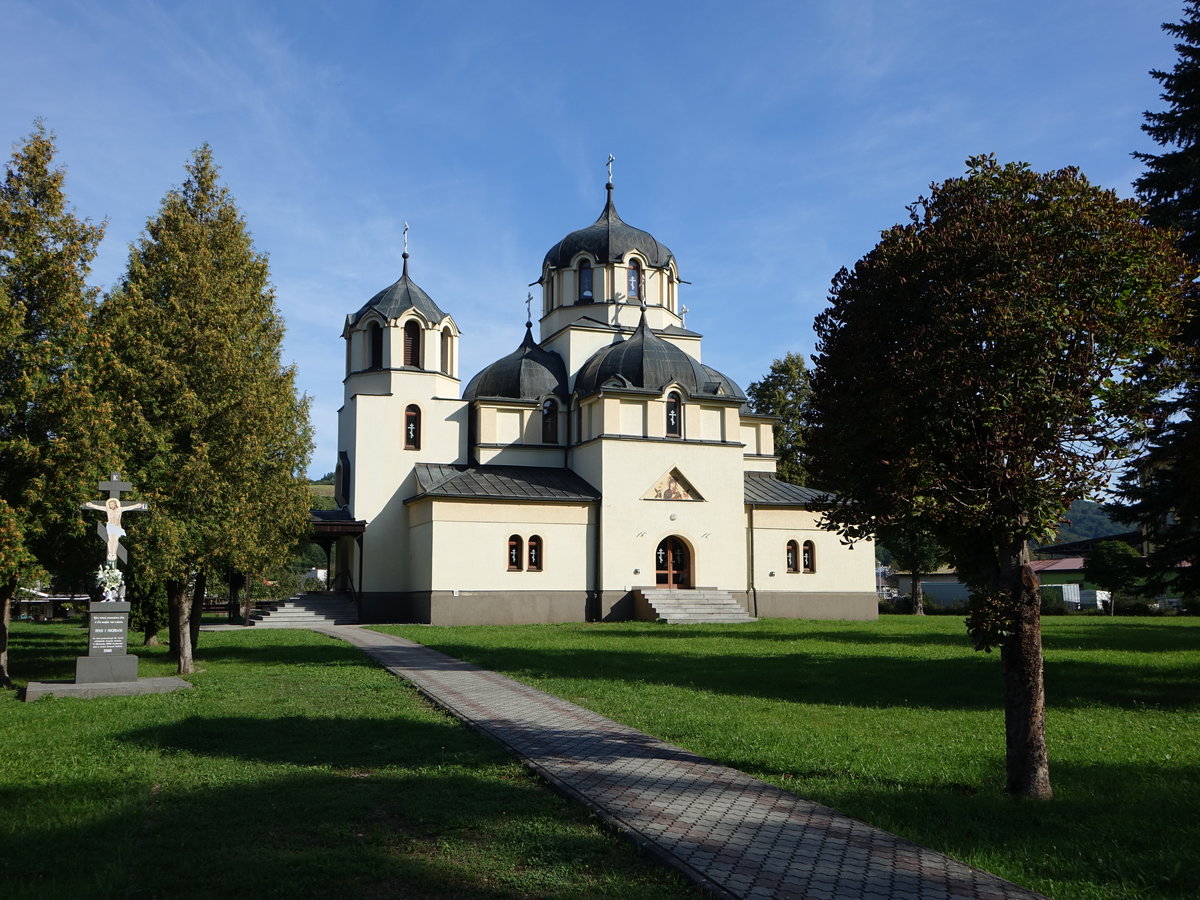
673	562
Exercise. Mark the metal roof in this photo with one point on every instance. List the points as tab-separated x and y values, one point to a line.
608	240
528	373
542	483
394	300
767	490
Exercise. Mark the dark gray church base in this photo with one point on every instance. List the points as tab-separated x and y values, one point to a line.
549	607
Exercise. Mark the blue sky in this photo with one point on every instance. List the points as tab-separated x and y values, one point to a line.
766	143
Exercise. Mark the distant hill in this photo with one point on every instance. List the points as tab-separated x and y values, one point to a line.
1087	520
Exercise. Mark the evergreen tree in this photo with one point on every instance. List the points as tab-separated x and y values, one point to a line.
1162	493
52	434
1170	187
217	439
783	392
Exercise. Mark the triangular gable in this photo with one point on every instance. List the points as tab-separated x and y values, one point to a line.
672	486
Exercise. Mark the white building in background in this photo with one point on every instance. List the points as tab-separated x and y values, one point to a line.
600	457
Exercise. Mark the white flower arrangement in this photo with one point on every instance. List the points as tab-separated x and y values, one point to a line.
109	580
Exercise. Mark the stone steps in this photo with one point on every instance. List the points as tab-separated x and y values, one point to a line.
304	610
680	607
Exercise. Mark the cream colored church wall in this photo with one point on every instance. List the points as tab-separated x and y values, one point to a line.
838	568
633	527
468	545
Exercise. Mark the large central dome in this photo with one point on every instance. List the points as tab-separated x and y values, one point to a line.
608	240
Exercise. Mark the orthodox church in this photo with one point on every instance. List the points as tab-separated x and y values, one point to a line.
597	463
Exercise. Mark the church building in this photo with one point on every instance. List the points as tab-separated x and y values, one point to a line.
599	465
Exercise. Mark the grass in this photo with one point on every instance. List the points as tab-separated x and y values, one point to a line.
295	767
898	722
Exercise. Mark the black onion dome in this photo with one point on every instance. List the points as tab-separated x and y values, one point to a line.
648	362
608	239
528	373
393	301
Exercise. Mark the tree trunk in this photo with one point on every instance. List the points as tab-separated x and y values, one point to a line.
172	624
8	590
181	632
198	607
918	596
1027	762
150	639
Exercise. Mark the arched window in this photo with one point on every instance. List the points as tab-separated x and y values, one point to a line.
412	344
412	427
374	346
549	422
809	557
549	292
447	351
535	554
515	553
674	415
635	280
585	282
793	556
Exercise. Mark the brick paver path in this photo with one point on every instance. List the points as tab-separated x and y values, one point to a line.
733	835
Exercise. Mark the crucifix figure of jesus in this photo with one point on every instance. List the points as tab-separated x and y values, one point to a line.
114	507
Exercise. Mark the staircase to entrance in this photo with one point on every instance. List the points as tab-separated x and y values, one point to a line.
304	610
688	607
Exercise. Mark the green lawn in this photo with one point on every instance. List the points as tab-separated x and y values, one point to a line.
898	722
294	768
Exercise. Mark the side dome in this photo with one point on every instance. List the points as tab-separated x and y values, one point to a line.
608	240
645	361
528	373
395	300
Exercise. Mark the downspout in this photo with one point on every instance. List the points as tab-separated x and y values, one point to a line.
753	589
597	577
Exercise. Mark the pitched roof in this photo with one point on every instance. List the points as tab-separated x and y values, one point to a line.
395	299
767	490
543	483
607	240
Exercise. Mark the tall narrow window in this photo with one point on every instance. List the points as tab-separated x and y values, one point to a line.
515	553
809	558
549	304
447	351
793	556
535	554
635	280
585	282
412	344
549	422
412	428
375	346
674	415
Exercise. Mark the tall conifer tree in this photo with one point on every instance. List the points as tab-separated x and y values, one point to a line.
1162	493
51	447
217	438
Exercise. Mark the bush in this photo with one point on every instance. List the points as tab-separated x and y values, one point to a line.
1052	603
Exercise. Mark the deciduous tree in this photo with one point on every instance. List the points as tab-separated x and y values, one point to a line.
783	392
52	451
217	438
1007	340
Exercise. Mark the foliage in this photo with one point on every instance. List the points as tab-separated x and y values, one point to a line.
1114	566
52	432
890	722
317	773
1168	186
1162	493
915	550
783	392
216	438
1009	339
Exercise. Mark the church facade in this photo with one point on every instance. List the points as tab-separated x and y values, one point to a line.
600	457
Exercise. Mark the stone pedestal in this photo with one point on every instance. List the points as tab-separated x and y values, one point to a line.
108	639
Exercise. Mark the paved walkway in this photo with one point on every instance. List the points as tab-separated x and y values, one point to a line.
733	835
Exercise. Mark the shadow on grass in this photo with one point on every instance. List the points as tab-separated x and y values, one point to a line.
970	682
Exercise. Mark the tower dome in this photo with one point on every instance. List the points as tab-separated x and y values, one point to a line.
395	299
648	362
608	240
528	373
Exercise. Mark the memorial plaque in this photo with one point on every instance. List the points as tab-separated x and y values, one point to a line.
107	642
